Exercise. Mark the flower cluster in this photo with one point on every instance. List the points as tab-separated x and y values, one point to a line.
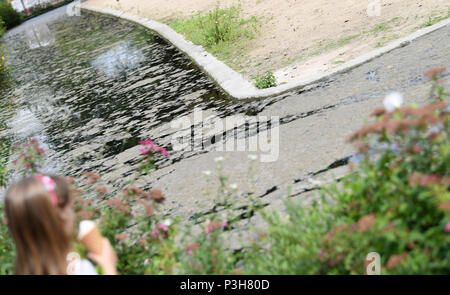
150	148
30	155
148	151
212	225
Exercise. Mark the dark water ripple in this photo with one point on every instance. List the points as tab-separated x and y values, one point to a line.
92	86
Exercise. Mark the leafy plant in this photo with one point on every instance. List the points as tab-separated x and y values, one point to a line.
221	31
9	15
265	80
2	27
7	249
395	202
29	156
434	20
4	76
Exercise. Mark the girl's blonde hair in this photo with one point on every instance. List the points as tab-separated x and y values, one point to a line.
37	226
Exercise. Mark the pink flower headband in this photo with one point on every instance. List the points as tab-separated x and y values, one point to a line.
49	186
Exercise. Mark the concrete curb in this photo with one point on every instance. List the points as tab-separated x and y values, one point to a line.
233	83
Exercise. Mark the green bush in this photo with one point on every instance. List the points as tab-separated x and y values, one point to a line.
4	77
11	17
2	27
220	31
396	202
265	80
216	26
7	249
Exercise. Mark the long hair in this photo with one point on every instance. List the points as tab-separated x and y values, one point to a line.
37	226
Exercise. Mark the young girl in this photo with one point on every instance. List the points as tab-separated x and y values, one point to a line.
41	221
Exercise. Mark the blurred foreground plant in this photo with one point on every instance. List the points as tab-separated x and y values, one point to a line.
395	202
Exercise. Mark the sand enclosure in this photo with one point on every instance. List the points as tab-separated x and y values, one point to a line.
299	38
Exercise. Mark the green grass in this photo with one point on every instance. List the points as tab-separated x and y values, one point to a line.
338	62
379	29
222	31
432	20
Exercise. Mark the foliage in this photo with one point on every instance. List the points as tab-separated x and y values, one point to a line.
2	27
29	156
11	17
43	8
265	80
6	111
218	30
7	249
434	20
291	242
205	254
4	76
396	203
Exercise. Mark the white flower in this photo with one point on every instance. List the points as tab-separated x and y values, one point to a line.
207	172
252	157
167	222
233	186
218	159
392	101
315	181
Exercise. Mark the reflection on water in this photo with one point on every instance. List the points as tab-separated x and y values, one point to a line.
118	60
99	85
38	35
25	123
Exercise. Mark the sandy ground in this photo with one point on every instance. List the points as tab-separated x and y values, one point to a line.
299	38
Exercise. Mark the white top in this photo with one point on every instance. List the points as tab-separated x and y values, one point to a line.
84	267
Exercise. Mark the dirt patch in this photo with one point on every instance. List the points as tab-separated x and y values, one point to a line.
300	38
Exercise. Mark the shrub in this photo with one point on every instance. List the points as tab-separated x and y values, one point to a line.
396	202
218	30
2	27
290	244
265	80
4	76
7	249
11	17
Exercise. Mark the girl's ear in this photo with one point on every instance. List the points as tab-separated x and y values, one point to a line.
5	220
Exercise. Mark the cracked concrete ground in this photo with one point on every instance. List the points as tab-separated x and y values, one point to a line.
310	143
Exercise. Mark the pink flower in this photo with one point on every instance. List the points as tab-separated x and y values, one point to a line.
163	227
155	232
151	147
416	149
447	227
145	151
28	167
164	152
213	225
146	142
330	234
191	248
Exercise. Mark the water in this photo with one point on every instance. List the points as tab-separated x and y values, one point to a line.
90	87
